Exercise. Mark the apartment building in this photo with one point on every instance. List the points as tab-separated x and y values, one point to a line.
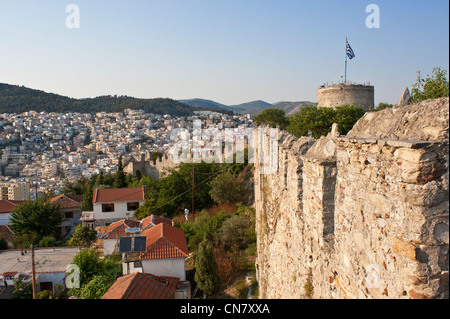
15	191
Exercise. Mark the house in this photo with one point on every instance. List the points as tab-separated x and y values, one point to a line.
148	286
127	228
6	208
70	206
50	266
166	251
113	233
111	205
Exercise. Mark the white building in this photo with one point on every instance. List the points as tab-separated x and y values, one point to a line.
112	205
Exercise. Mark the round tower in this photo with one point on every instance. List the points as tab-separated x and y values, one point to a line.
341	94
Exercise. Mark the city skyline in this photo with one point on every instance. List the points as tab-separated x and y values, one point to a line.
231	52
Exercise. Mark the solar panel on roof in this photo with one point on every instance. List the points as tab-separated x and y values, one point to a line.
125	245
140	244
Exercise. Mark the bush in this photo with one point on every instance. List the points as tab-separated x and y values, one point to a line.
432	87
233	231
226	188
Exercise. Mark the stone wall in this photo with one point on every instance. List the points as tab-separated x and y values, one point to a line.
357	217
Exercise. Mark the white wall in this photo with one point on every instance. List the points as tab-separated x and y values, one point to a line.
120	210
174	267
4	219
109	245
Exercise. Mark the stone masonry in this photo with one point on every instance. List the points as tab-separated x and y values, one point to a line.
359	216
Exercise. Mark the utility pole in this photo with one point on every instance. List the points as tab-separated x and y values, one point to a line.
33	271
193	186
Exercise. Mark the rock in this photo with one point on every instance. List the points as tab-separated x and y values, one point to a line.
404	249
405	99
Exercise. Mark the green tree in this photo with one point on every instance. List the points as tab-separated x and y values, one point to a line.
120	181
47	241
234	230
89	263
97	287
431	87
346	117
319	121
226	188
42	218
22	290
3	243
206	270
272	117
312	119
83	236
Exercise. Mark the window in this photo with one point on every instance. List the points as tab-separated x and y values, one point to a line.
107	208
68	215
137	264
132	206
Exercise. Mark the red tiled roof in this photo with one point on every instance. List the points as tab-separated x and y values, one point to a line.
117	229
153	220
6	233
68	200
164	241
7	206
119	195
143	286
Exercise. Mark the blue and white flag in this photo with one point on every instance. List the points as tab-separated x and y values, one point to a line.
350	52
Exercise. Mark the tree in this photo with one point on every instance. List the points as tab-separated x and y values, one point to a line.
346	116
39	217
120	181
432	87
89	263
233	230
319	121
312	119
206	271
22	290
83	236
3	243
226	188
272	117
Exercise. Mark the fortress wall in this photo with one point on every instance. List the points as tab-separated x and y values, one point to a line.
355	217
390	216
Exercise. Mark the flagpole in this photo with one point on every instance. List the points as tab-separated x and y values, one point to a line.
345	77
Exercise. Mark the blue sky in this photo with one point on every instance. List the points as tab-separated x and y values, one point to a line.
230	51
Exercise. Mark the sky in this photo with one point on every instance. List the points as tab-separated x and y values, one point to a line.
229	51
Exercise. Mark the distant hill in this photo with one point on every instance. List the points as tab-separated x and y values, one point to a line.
290	108
18	99
254	107
206	104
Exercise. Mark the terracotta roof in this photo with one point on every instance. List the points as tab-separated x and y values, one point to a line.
6	233
153	220
68	200
119	195
7	206
164	241
143	286
118	228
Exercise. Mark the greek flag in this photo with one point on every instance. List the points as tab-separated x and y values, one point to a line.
350	52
